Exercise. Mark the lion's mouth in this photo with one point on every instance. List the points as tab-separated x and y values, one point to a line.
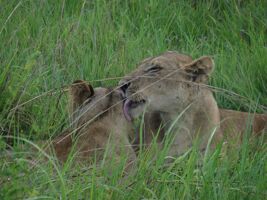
130	105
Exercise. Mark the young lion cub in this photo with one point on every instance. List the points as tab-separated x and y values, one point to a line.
97	123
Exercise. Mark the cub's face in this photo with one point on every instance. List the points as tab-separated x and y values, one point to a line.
162	82
89	103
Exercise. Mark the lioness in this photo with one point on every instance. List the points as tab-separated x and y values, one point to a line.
98	123
174	84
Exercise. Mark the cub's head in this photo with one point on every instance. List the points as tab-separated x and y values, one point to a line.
88	103
95	113
162	82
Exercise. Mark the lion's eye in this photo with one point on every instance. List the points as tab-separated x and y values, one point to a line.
153	68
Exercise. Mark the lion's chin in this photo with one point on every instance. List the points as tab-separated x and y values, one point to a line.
133	109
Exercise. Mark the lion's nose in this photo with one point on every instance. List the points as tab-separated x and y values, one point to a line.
124	86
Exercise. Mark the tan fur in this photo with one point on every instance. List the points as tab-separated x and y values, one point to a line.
235	124
171	84
98	120
179	82
79	92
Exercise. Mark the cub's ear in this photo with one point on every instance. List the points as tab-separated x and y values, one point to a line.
80	91
200	69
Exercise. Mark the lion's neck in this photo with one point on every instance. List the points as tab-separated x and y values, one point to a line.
117	123
199	120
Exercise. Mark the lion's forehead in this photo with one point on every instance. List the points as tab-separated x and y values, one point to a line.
104	99
174	59
103	94
169	59
179	57
100	98
100	92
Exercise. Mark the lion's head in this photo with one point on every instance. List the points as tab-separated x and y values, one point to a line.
98	121
162	81
88	104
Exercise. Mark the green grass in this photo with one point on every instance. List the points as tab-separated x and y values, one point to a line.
45	45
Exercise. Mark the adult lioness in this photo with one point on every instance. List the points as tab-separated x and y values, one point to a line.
174	86
98	123
167	84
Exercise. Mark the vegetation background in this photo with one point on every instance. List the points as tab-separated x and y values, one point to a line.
46	44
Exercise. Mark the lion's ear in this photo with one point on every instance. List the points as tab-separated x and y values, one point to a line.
200	69
80	91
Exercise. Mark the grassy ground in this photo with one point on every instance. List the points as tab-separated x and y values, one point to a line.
45	45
